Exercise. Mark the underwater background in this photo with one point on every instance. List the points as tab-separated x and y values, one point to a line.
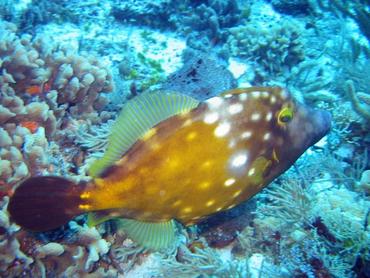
68	67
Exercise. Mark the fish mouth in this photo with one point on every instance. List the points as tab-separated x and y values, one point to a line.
307	128
321	123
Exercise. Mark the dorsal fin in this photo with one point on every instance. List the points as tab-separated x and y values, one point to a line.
136	118
238	91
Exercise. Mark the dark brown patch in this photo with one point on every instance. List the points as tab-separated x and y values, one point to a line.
44	203
108	171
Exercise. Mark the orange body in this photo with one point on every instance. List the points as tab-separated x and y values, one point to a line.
195	160
210	159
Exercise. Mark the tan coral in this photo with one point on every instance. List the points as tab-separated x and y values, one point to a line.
273	48
46	86
10	247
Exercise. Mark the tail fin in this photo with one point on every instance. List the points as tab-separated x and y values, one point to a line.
44	203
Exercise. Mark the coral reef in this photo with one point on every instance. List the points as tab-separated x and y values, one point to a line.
12	260
206	261
201	77
292	7
360	101
44	88
211	19
314	218
204	24
273	49
358	10
44	12
208	18
155	14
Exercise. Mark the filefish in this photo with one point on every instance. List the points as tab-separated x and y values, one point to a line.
172	158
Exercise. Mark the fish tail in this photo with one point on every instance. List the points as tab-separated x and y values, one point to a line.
45	203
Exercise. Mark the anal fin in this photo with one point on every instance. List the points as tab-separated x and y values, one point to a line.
153	236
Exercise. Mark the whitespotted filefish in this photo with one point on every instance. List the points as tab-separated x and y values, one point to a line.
170	157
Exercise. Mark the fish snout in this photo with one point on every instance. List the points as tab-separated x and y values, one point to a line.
310	126
321	122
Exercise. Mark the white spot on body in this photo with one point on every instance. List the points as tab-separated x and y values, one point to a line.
243	97
239	159
211	118
251	172
267	136
268	116
229	182
187	122
222	129
215	102
255	117
235	108
246	135
256	94
273	99
265	94
162	193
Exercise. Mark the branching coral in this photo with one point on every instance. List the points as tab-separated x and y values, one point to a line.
360	101
95	244
312	258
310	81
206	261
358	10
290	201
273	49
210	19
315	220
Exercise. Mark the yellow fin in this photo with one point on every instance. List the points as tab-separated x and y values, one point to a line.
153	236
239	91
96	218
136	118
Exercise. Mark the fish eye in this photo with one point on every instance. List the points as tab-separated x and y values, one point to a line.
285	115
